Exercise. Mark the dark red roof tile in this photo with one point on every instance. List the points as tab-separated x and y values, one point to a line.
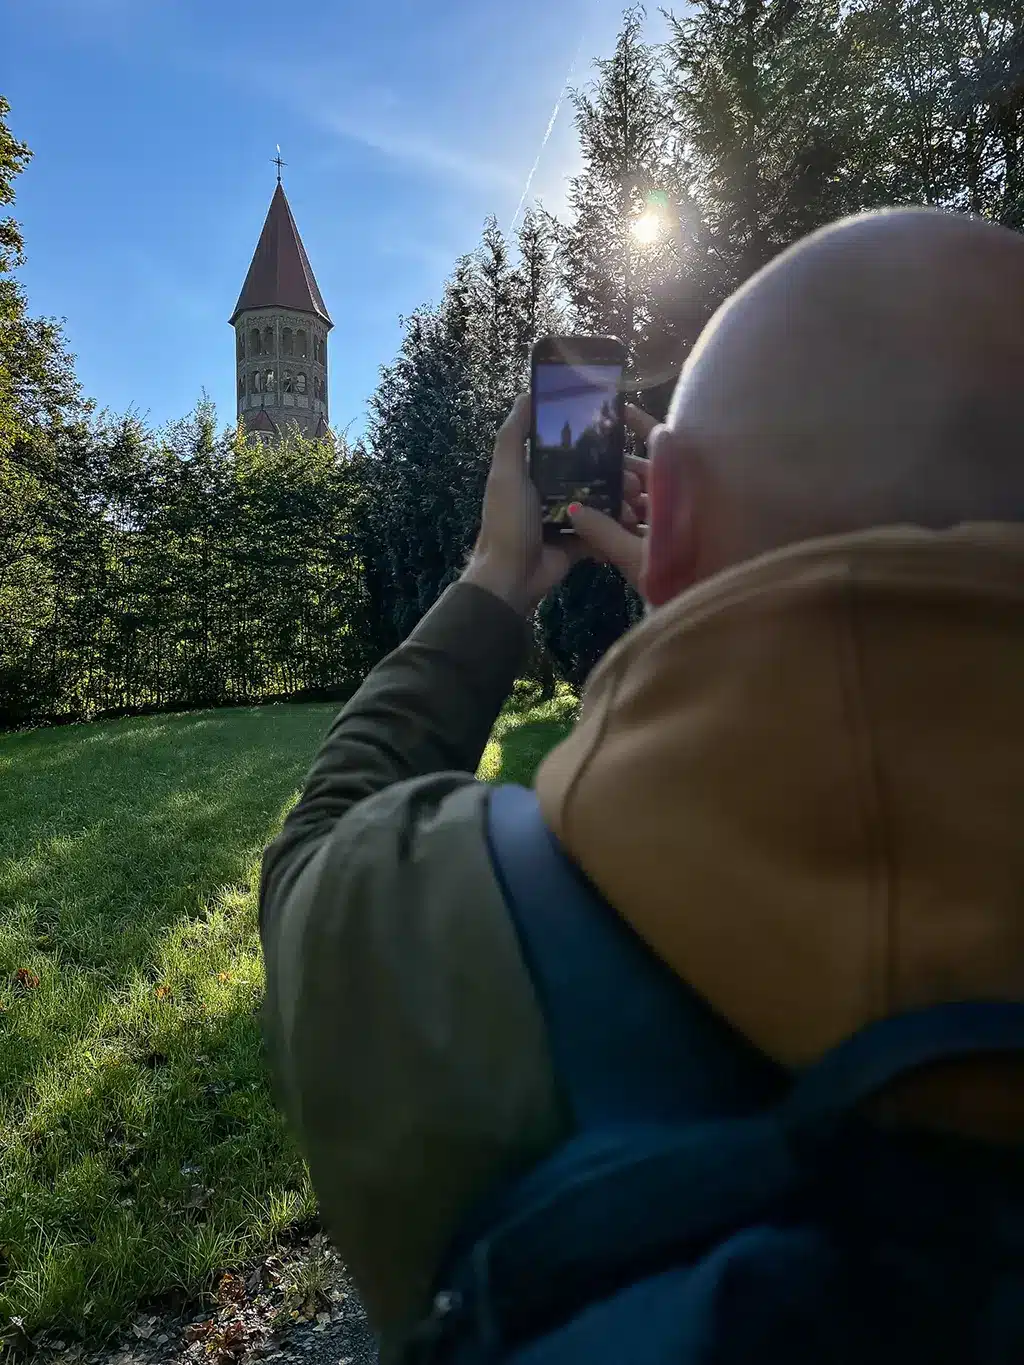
280	275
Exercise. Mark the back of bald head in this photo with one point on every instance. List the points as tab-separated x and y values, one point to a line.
872	374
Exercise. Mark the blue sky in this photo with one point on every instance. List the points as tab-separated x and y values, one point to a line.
403	122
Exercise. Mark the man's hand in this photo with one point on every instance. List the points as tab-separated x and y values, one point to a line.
510	557
621	542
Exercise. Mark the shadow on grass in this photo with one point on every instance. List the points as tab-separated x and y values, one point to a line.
523	748
141	1147
108	834
167	1168
529	725
142	1150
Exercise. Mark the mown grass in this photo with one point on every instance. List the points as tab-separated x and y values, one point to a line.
524	732
140	1150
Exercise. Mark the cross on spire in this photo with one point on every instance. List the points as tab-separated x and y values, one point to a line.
276	161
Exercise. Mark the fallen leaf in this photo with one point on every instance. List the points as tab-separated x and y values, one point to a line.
27	980
230	1288
223	976
164	993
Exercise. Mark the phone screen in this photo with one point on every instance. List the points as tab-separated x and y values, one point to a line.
577	438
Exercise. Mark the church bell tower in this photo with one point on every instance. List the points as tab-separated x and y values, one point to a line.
281	325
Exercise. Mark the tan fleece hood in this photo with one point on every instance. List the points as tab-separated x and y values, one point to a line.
803	782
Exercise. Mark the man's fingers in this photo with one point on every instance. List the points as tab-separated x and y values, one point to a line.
608	540
508	447
638	467
640	423
634	496
629	517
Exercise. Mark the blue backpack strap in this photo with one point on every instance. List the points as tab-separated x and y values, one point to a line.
601	1215
630	1042
827	1093
659	1200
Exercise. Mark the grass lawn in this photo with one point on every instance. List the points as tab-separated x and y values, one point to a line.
140	1151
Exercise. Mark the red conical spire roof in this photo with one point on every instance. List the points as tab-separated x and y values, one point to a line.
280	275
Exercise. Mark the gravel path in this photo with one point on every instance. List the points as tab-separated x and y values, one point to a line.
298	1305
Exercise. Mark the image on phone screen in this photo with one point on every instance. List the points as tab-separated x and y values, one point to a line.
577	452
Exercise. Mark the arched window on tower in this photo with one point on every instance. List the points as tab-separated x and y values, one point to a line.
254	381
268	381
268	341
286	342
241	345
300	343
300	382
316	349
254	341
241	386
286	381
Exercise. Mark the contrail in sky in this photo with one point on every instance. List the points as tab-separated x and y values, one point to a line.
547	134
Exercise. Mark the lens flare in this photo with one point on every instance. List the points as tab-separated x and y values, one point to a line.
647	228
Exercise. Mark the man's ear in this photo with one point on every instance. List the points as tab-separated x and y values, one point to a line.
670	548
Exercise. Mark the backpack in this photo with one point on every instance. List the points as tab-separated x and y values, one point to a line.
708	1206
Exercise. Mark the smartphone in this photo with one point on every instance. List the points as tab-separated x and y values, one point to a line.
577	429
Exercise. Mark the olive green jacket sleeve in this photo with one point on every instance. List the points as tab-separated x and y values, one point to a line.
405	1038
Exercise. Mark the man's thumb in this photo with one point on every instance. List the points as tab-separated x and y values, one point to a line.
605	539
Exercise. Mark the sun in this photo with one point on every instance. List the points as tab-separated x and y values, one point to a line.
647	228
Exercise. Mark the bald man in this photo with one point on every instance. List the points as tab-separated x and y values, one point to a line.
799	780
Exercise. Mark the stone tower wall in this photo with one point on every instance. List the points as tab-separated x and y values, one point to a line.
273	374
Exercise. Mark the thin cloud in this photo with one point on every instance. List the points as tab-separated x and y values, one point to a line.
376	123
422	152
